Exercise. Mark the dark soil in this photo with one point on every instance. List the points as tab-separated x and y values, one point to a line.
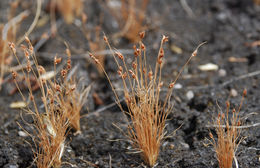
228	26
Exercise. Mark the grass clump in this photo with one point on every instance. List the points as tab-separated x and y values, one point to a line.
142	91
228	134
62	103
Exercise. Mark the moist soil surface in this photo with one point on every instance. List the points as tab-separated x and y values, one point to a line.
229	26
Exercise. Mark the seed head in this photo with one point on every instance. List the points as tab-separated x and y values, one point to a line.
137	52
41	69
142	46
133	74
57	87
26	53
210	135
160	85
63	73
194	54
119	55
159	61
150	75
31	49
171	85
27	40
142	34
134	65
244	92
57	60
94	58
31	97
161	53
227	104
68	64
124	75
165	39
14	74
105	39
119	72
12	47
28	66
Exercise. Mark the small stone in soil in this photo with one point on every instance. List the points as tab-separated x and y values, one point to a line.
22	134
233	93
222	72
189	95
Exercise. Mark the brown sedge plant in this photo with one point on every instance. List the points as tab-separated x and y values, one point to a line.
228	135
52	123
142	87
74	100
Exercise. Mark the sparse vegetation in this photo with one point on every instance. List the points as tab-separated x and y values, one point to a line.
62	104
228	135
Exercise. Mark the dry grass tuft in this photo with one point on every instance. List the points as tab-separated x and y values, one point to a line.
228	135
62	103
142	87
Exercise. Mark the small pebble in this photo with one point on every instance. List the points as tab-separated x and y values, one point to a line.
177	86
77	22
165	143
190	95
208	67
185	145
22	134
222	72
233	93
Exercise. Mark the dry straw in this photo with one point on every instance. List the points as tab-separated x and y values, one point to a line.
142	87
62	104
228	135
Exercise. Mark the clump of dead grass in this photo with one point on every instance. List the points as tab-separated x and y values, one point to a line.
62	104
142	91
228	135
